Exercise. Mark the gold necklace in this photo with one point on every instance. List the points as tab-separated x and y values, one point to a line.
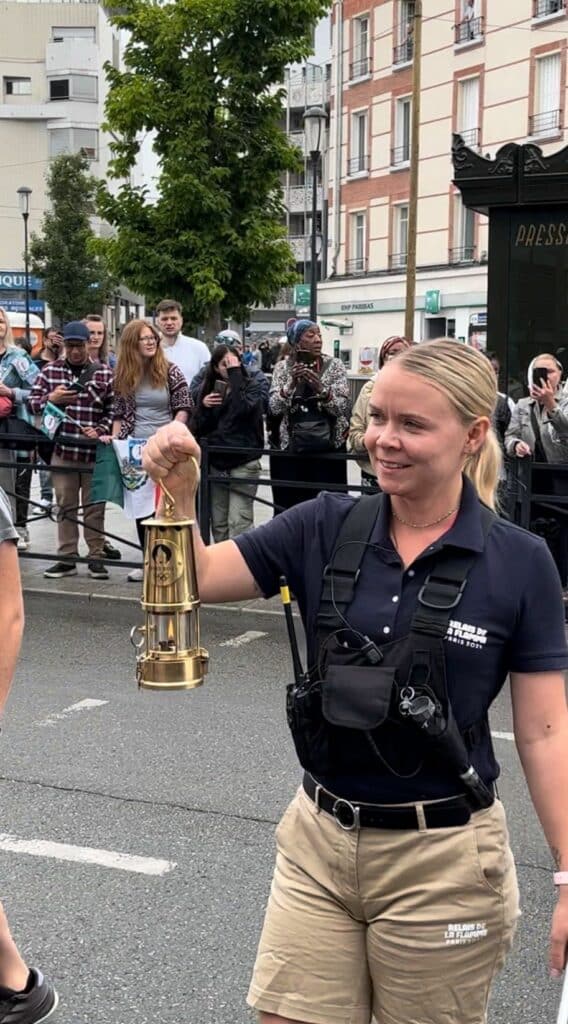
424	526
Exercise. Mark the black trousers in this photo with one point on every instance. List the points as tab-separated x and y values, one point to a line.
554	528
324	474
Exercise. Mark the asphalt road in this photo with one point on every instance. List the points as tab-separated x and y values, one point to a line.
198	779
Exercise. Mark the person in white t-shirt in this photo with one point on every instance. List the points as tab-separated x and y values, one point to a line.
189	354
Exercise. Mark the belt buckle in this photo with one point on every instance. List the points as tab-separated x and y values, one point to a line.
349	826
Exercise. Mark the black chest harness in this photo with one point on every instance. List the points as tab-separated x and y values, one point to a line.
385	709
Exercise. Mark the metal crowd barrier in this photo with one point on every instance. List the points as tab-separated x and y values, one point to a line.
203	498
207	478
523	498
40	513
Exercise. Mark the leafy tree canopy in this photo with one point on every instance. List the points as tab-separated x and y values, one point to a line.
204	78
65	254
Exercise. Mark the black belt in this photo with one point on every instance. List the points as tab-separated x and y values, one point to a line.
349	816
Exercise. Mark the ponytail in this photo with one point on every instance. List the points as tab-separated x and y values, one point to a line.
484	469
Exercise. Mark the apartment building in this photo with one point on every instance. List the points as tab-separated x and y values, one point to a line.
305	85
492	70
52	96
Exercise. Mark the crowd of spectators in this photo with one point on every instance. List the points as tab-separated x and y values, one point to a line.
238	398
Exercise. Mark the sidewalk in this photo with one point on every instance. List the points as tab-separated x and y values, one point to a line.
43	537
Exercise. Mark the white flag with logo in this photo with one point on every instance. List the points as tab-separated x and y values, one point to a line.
139	490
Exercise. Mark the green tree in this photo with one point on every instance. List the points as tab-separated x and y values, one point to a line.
66	254
204	78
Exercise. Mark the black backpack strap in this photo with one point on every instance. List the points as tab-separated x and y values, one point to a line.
445	584
342	571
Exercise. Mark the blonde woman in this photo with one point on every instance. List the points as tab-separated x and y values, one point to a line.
149	392
394	891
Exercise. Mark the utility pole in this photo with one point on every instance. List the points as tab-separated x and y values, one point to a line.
414	168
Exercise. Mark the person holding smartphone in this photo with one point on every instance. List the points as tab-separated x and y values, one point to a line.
228	415
84	391
311	393
539	429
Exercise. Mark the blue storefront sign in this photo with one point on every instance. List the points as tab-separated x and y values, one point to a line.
19	306
15	280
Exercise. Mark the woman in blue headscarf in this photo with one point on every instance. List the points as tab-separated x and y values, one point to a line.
311	393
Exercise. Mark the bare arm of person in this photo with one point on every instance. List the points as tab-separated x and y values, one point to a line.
540	717
222	572
11	616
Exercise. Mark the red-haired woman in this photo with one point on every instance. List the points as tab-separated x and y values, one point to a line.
149	392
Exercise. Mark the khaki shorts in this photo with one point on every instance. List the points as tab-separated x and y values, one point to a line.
408	926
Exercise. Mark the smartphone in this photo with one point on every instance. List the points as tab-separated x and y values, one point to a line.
539	375
220	387
307	358
76	386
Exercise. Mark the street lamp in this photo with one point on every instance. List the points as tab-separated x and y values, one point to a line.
24	194
315	121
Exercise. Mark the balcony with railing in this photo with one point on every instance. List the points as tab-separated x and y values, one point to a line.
403	53
400	155
300	245
358	165
307	86
548	9
284	299
356	266
398	261
463	254
298	198
471	137
360	66
470	30
545	125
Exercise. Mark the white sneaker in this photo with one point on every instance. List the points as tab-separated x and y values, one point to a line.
45	503
136	576
23	539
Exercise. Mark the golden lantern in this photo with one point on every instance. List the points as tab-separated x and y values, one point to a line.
170	656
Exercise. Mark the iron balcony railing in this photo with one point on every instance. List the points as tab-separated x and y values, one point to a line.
358	164
468	30
398	260
360	67
544	8
471	137
400	155
358	265
404	52
463	254
547	123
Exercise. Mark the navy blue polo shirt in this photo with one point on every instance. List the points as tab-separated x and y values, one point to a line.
510	618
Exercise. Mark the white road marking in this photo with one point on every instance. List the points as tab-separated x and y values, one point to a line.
504	736
244	638
81	705
86	855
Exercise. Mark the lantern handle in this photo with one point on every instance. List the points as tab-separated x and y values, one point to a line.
170	505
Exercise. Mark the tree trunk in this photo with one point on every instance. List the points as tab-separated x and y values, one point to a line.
213	325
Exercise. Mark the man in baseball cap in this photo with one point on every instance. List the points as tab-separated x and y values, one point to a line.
84	390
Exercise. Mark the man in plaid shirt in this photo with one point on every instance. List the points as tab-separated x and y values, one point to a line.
84	390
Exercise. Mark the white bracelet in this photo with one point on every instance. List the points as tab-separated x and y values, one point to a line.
560	877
